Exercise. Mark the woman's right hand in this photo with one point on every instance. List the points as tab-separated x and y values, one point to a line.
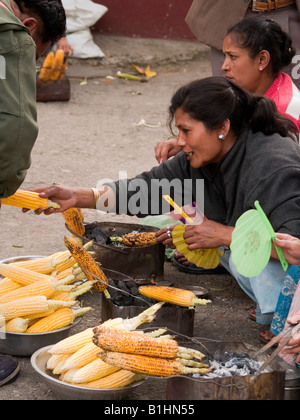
65	196
166	149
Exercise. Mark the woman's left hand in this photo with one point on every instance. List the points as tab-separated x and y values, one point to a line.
164	236
208	234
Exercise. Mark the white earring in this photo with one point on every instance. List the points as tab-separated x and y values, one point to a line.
221	137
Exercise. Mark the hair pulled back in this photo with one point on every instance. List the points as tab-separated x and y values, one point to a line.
257	34
214	100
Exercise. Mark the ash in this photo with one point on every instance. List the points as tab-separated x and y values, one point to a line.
231	364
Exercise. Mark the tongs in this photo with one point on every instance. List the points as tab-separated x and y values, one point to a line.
288	333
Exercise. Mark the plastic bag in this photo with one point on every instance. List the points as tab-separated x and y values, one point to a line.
81	15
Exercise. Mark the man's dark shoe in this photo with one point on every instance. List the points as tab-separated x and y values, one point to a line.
9	368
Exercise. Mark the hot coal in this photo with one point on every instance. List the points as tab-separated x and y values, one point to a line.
230	364
126	293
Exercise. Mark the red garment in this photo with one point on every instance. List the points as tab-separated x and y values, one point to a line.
286	96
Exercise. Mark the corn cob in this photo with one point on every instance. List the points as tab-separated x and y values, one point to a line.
118	379
56	361
91	372
59	319
7	285
29	200
115	340
57	64
44	265
16	325
47	67
75	342
82	357
173	295
75	271
23	307
26	277
43	287
136	239
145	365
54	305
74	220
88	265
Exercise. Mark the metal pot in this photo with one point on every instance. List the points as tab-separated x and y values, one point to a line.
140	263
267	386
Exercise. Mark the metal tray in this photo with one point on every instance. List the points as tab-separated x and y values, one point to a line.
65	391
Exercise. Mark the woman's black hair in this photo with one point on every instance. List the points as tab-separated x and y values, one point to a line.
257	34
214	100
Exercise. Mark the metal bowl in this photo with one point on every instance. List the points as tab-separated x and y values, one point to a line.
65	391
22	344
20	258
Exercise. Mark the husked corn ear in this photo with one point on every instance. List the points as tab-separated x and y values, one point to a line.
91	372
16	325
57	65
40	288
82	357
74	220
43	265
136	239
59	319
29	200
53	305
145	344
87	263
144	365
7	285
118	379
73	343
56	359
113	340
47	67
173	295
23	307
22	275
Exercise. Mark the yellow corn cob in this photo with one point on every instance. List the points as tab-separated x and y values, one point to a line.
73	343
63	70
26	277
16	325
136	239
43	287
74	220
118	379
29	200
145	365
57	64
54	305
75	271
88	264
173	295
47	67
56	360
129	342
23	307
7	285
91	372
44	265
59	319
82	357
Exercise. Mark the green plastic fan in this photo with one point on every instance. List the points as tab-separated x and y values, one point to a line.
252	242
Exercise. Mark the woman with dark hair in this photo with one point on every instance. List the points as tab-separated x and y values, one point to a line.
256	52
232	143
